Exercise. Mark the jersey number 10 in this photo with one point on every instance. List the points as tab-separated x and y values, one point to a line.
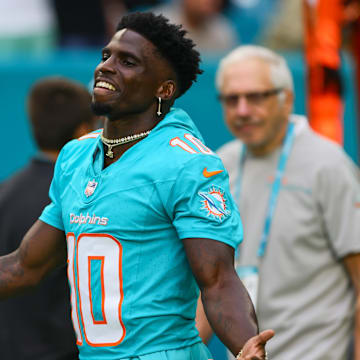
95	277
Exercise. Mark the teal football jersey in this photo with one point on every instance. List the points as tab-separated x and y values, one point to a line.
132	290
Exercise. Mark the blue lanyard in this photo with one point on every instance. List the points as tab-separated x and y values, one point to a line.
284	155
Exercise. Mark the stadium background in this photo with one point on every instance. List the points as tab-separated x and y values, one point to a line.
17	74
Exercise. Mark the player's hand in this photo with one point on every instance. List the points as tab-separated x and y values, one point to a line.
254	348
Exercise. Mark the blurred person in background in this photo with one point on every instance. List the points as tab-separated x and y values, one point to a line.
252	17
211	31
72	19
115	9
37	325
285	29
299	199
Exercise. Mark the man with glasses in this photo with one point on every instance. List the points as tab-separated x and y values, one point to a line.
299	198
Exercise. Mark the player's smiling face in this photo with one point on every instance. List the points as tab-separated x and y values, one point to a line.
128	76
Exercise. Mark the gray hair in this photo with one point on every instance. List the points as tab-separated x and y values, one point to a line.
279	71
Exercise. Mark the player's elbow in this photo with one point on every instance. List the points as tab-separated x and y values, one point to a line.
218	281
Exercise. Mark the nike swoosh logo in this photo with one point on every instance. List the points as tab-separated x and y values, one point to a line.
208	174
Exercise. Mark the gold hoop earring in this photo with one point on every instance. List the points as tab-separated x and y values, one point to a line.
159	107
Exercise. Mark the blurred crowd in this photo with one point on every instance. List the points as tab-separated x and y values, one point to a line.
215	25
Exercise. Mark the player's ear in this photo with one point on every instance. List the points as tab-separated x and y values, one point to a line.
167	90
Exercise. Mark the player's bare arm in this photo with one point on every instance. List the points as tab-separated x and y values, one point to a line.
226	302
42	249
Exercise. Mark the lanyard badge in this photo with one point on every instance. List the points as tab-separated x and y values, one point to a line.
249	275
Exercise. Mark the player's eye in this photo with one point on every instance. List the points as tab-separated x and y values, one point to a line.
128	62
105	56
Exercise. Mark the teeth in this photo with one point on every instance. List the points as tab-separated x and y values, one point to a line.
105	85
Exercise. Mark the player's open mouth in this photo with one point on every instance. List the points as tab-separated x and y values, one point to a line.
105	85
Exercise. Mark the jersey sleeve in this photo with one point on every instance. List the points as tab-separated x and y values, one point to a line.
52	214
201	203
338	191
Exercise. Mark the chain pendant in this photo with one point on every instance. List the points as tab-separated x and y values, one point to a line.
109	153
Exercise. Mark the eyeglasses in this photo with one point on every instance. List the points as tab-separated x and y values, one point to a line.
252	98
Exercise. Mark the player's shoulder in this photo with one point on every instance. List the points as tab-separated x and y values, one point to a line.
178	141
74	151
81	144
90	136
183	148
